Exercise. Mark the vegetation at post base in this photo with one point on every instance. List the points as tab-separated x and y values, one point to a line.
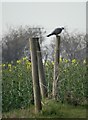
17	90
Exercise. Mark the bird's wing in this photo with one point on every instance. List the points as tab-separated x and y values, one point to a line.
57	30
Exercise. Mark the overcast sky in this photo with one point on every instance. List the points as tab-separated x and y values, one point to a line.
46	14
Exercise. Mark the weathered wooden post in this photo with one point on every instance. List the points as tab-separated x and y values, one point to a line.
36	87
87	50
86	74
0	91
42	81
56	68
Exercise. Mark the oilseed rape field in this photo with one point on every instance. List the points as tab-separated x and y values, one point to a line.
17	88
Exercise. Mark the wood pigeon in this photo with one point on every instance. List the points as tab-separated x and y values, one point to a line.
56	31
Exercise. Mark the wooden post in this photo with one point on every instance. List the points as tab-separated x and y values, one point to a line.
86	74
56	68
43	86
36	87
0	91
87	50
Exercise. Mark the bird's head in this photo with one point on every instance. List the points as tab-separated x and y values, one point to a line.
62	28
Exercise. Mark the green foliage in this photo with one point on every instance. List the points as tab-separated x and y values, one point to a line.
16	85
58	110
72	85
17	90
51	109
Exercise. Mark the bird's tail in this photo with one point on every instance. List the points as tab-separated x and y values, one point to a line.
49	35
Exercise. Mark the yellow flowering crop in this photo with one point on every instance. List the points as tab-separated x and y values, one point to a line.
25	58
28	64
60	59
3	65
52	63
74	61
18	61
9	65
84	61
15	67
10	70
66	61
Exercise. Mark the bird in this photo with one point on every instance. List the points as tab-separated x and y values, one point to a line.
56	31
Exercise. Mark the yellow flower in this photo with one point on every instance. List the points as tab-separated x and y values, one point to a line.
66	61
47	64
3	65
60	59
25	58
52	63
15	67
27	62
10	70
9	65
74	61
18	61
84	61
28	65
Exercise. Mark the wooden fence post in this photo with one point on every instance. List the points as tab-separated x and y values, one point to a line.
56	68
42	81
0	91
35	77
86	74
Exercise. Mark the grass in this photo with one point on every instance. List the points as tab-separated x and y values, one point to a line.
51	109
